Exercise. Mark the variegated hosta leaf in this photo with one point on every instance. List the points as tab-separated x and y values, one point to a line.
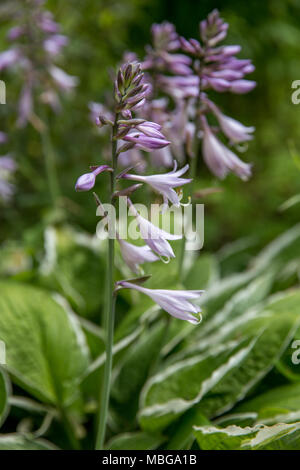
278	437
218	379
46	352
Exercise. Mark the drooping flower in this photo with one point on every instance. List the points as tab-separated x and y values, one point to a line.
176	302
219	158
87	181
233	129
154	237
134	255
164	183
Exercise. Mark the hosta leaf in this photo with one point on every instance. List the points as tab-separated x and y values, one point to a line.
171	392
216	380
45	347
235	256
284	248
278	437
244	299
181	433
93	373
214	438
203	272
95	337
135	441
218	294
267	349
134	369
74	268
18	442
285	398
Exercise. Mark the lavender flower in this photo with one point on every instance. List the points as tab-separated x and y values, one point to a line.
87	181
146	143
176	302
164	183
153	236
135	255
165	40
234	130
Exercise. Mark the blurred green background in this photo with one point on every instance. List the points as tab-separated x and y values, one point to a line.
100	31
45	248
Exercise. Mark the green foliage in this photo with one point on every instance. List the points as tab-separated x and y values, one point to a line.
168	378
45	348
16	442
277	437
135	441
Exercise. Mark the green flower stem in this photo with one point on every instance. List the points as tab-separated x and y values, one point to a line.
109	311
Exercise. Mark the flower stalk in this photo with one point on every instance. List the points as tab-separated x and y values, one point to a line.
110	308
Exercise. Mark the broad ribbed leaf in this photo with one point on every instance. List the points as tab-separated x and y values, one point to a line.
45	347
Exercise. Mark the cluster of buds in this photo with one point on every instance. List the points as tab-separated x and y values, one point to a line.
130	89
37	41
132	133
7	168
